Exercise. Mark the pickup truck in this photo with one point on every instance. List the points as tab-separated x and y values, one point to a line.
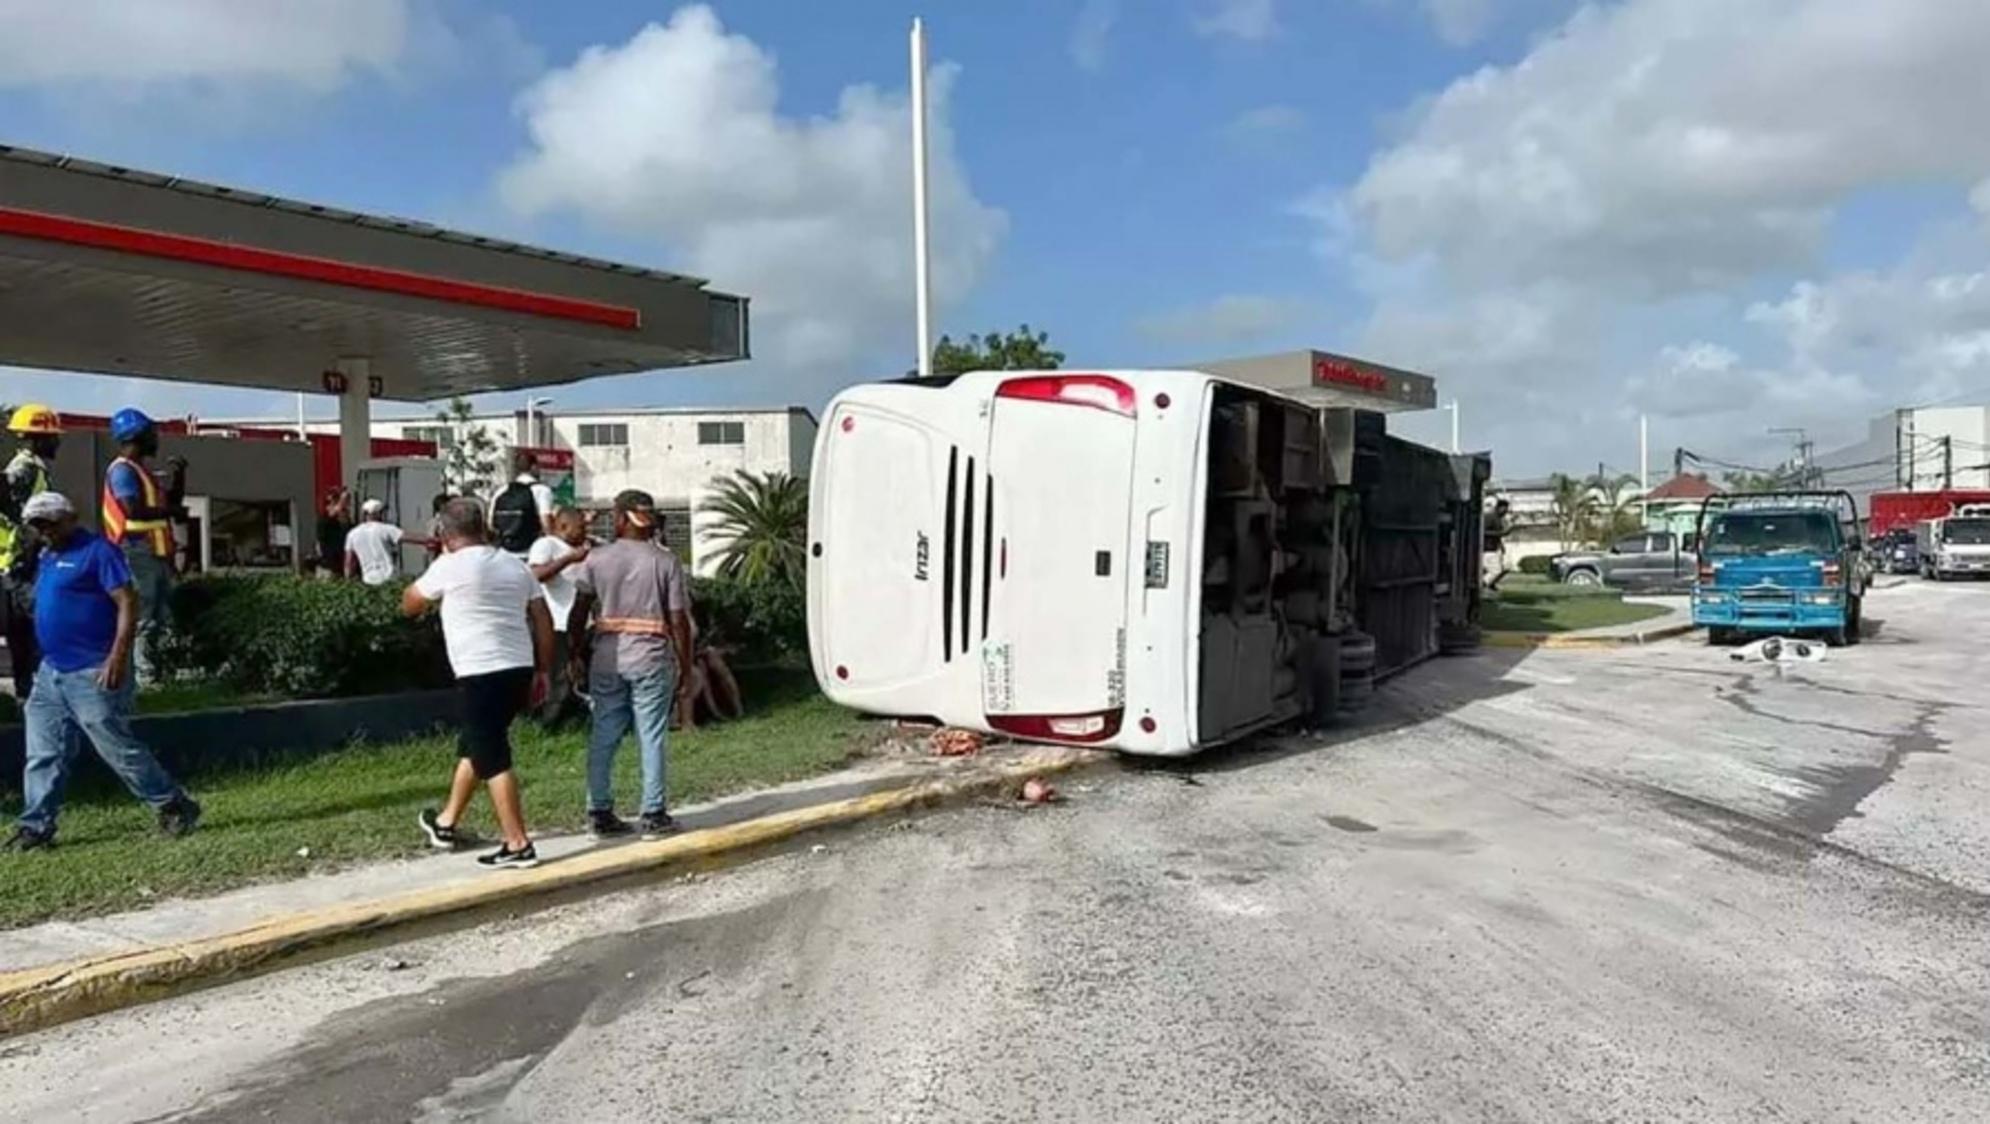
1648	560
1781	563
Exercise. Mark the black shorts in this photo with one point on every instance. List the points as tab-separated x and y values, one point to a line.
490	702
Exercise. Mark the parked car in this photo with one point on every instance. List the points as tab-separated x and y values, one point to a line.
1895	552
1648	560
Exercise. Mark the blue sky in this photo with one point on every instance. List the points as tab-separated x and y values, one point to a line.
1569	215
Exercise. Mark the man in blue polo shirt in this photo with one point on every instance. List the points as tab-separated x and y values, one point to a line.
86	616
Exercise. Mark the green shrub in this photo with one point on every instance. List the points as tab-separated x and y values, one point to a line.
1534	564
299	638
758	622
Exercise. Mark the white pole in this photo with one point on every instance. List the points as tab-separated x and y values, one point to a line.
303	434
1454	425
921	252
1644	468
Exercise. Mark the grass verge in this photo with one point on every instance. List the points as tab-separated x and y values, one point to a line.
359	805
1526	603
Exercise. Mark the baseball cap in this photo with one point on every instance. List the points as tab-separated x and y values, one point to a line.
372	506
46	506
638	505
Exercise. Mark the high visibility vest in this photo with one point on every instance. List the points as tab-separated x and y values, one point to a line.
10	535
157	533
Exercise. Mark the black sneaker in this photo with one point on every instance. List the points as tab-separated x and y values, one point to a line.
180	817
607	825
659	823
28	839
525	858
439	837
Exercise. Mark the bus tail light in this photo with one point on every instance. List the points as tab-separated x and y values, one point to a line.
1093	727
1100	392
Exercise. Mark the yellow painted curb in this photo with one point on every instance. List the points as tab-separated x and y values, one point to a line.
34	998
1565	640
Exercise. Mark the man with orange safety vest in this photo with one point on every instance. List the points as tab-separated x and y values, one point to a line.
138	518
38	429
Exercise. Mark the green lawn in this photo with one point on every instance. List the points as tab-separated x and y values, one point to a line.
1527	603
359	804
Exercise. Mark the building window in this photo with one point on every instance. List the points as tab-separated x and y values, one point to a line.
722	433
603	434
441	436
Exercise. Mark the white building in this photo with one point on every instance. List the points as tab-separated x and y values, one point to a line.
1916	449
673	453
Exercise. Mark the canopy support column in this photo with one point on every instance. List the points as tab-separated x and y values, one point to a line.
355	418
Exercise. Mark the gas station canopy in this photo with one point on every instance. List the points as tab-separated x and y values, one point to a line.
122	272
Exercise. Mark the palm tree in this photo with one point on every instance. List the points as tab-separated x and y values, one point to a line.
1615	511
762	526
1573	502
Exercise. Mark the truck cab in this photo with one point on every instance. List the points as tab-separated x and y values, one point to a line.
1957	546
1781	563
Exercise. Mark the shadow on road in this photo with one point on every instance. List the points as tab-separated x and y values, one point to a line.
1439	686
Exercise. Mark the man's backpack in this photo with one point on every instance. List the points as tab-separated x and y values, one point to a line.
515	518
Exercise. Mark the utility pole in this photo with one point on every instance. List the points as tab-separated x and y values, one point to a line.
1802	462
1644	470
1453	407
921	255
1948	464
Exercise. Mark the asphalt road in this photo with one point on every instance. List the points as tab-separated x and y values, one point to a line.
1649	884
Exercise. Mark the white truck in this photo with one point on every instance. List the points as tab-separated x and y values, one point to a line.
1955	546
1152	560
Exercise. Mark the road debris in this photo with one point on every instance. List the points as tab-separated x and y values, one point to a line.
1776	649
953	741
1036	790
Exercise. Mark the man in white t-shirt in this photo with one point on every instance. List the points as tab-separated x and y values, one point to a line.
373	549
500	641
553	559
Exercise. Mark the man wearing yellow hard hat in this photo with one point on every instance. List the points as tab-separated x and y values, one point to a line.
37	430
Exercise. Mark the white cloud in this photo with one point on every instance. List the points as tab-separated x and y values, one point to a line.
1658	145
676	137
1249	20
1227	320
1265	123
1090	32
1537	229
1459	22
315	44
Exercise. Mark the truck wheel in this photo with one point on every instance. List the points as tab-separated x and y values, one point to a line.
1583	577
1719	637
1836	637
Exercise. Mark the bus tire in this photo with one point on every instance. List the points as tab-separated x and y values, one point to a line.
1356	692
1457	639
1357	653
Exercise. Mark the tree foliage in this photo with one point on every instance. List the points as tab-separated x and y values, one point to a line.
1596	509
761	527
1020	350
469	462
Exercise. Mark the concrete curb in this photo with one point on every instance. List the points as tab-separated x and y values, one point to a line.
36	998
1577	640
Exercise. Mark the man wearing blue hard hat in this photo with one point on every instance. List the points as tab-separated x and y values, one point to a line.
138	518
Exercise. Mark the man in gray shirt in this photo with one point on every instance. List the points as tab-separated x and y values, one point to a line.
634	661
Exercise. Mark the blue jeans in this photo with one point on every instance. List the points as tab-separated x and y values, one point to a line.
620	701
64	702
153	578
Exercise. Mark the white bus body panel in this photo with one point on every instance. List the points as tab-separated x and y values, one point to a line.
1046	605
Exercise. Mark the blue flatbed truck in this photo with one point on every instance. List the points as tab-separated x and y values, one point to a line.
1780	563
